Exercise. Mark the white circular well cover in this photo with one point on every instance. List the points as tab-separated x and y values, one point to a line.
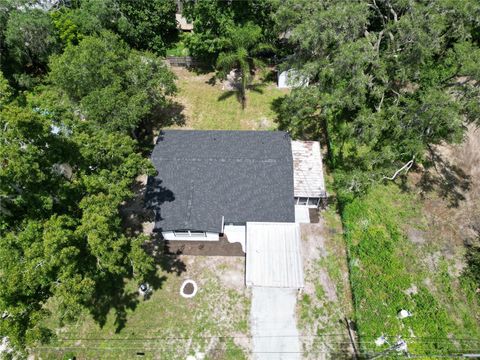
182	289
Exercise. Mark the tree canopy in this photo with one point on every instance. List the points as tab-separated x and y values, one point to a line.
150	24
68	159
144	25
387	79
213	20
115	87
27	39
60	225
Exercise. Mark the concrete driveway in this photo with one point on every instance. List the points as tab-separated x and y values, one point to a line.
273	324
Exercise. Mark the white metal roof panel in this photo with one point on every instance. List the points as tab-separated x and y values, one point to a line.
308	169
273	255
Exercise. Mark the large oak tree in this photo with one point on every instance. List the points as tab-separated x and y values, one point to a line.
387	79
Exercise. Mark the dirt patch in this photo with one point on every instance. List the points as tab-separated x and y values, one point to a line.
136	218
326	298
202	248
229	270
416	236
313	242
450	189
233	277
412	290
314	216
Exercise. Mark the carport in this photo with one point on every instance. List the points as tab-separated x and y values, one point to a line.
274	270
273	255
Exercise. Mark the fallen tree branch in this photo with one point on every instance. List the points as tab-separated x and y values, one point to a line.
405	167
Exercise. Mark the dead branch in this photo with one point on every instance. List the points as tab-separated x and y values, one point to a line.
390	7
377	45
405	167
379	107
377	9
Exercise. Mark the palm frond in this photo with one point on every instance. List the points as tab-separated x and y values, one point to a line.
227	61
259	64
262	48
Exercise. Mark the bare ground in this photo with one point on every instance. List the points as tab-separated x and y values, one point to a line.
450	190
326	299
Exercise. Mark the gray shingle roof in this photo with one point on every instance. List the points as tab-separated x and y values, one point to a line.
204	175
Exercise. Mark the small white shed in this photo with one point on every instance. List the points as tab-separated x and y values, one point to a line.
273	255
291	78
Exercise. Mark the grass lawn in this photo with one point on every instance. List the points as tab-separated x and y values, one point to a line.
168	326
393	267
207	107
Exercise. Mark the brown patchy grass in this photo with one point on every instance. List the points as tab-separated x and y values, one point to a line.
168	326
450	193
326	299
205	109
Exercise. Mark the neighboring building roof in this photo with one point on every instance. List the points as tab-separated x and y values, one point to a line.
182	23
273	255
206	175
308	169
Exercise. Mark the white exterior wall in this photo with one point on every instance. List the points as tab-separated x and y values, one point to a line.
208	236
236	233
302	214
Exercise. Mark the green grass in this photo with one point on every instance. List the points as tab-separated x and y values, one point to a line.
384	263
165	326
205	109
179	49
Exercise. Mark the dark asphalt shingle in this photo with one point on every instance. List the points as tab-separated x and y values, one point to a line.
204	175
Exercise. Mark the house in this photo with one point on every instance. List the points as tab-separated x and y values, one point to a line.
245	186
182	22
209	179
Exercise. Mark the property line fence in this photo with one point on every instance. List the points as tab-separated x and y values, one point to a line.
183	61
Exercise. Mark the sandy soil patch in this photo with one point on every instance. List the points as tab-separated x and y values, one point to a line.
326	298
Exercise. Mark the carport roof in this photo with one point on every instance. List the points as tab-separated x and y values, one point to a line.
273	255
206	175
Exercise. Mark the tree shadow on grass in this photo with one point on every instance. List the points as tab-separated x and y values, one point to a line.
257	88
212	81
172	114
447	179
201	66
111	292
228	94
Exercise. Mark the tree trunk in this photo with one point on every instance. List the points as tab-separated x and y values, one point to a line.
243	89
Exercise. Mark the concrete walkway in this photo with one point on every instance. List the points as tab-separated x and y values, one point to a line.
273	324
